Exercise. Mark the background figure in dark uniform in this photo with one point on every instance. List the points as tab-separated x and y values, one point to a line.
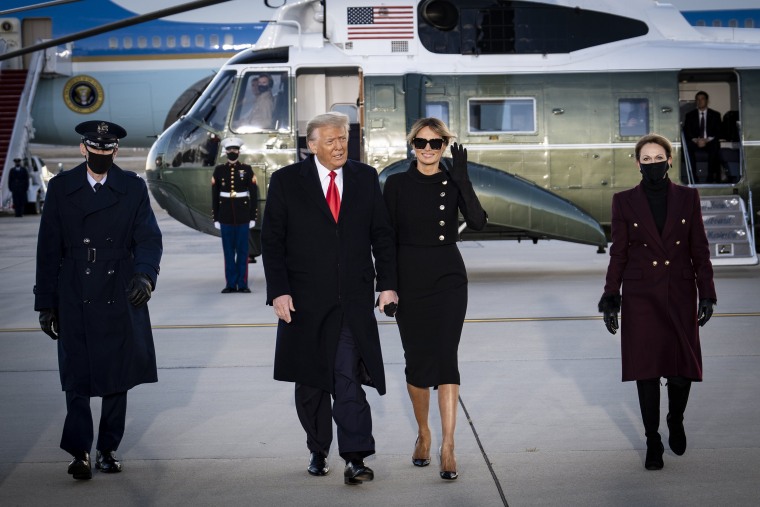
98	256
702	130
18	184
320	276
234	197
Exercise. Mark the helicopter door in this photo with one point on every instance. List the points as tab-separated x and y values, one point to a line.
320	90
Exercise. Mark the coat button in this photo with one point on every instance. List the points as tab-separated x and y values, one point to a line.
441	238
86	241
443	194
86	301
667	263
441	223
654	263
110	301
442	207
635	224
678	242
683	220
110	272
87	271
645	245
109	240
445	182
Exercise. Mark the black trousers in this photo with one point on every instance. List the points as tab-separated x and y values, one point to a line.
78	429
350	408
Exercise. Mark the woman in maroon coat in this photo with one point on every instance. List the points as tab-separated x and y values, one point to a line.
660	255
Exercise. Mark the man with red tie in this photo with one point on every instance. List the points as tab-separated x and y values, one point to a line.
324	221
702	131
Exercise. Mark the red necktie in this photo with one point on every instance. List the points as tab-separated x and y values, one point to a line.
333	197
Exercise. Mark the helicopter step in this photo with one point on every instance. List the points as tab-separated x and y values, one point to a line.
728	230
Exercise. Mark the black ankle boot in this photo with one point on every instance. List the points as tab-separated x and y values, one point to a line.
678	397
649	403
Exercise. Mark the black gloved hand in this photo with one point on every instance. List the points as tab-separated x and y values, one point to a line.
459	165
139	289
49	322
609	305
705	311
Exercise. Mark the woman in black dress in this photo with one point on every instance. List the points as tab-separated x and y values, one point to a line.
424	204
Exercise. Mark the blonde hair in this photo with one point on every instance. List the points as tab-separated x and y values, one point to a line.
435	125
654	139
331	119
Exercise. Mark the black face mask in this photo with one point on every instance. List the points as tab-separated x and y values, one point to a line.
99	164
232	156
653	173
263	88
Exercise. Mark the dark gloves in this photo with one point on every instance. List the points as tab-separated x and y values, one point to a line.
609	305
139	289
49	322
705	311
459	165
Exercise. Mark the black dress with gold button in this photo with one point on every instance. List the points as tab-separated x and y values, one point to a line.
432	279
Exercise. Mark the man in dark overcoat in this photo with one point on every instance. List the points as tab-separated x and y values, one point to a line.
18	184
234	198
98	255
701	128
320	279
661	257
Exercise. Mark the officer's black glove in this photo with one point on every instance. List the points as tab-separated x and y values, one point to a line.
609	305
139	289
705	311
459	165
49	322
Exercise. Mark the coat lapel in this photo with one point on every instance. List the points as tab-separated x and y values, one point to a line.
674	210
84	198
350	185
643	214
312	186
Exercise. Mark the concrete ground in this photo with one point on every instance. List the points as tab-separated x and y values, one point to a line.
544	418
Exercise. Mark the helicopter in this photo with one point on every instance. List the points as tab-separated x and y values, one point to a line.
541	93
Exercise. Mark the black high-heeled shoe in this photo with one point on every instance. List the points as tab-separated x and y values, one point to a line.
419	462
447	475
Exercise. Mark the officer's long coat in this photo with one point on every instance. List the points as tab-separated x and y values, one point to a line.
89	246
662	278
327	269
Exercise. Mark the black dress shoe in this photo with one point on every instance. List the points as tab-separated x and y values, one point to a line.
228	290
80	467
245	290
318	464
107	463
356	472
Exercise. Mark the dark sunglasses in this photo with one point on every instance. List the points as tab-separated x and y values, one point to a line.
420	143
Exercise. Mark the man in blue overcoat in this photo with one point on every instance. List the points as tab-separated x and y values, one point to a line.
98	256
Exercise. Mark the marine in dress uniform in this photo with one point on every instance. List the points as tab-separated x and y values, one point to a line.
98	256
234	197
18	184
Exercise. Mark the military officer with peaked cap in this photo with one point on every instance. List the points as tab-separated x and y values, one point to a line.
98	255
234	196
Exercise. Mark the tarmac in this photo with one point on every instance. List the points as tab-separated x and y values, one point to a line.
543	419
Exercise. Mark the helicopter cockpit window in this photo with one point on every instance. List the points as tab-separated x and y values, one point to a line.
262	103
212	107
634	117
508	115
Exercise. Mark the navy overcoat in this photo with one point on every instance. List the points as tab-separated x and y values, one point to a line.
89	246
327	269
662	278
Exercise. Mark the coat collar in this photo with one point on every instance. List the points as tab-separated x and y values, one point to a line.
640	207
82	196
310	181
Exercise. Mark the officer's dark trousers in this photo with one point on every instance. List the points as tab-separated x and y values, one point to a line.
78	431
350	409
235	245
19	203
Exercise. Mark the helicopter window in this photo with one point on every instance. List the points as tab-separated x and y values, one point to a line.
262	103
634	117
519	27
438	110
513	115
212	107
384	97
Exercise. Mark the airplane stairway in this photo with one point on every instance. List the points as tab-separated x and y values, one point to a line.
728	230
11	87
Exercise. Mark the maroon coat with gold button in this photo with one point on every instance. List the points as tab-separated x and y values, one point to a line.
662	277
